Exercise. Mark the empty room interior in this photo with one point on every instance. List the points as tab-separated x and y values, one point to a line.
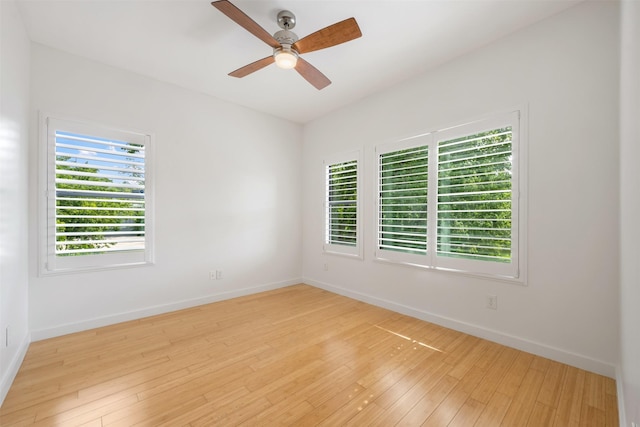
293	212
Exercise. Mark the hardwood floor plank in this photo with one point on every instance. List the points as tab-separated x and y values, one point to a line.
377	384
296	356
594	391
411	415
468	414
367	416
469	359
494	411
540	364
611	410
472	379
511	381
489	357
93	423
134	383
225	395
164	414
570	404
524	399
461	351
340	398
17	418
447	409
323	389
283	367
399	361
495	373
233	413
592	417
285	413
426	374
299	385
541	416
552	385
87	413
204	383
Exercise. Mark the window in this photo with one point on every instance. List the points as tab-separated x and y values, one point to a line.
98	198
342	207
451	199
403	200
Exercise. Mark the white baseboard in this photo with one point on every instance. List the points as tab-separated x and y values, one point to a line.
9	375
557	354
98	322
620	394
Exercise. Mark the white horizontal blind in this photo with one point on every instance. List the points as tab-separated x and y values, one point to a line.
99	190
402	200
475	196
452	199
342	208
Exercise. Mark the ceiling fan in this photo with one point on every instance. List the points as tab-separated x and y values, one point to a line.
287	48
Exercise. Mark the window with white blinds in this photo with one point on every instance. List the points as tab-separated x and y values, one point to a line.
474	196
342	207
451	199
403	177
98	199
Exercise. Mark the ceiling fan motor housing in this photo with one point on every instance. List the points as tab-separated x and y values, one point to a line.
286	37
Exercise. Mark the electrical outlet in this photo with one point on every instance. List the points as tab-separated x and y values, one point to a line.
218	274
492	302
212	275
326	266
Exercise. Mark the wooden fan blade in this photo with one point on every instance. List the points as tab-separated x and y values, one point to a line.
245	22
332	35
312	74
253	67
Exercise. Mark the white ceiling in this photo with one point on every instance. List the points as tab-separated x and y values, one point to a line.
193	45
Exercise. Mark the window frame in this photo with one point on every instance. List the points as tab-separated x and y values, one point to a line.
337	249
50	263
515	271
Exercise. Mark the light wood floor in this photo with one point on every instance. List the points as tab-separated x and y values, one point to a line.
296	356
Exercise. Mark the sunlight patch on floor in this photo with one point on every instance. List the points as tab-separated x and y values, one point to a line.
410	339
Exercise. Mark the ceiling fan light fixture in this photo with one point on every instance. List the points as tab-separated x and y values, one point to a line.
286	58
286	45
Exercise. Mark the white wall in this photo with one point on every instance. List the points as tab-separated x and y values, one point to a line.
629	377
228	196
566	70
14	110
